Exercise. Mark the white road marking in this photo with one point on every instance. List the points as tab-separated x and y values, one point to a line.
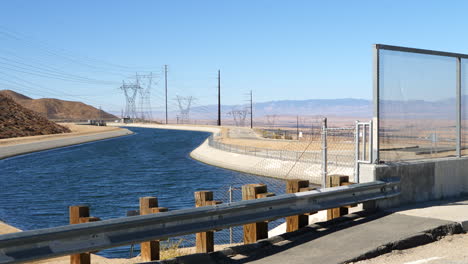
423	260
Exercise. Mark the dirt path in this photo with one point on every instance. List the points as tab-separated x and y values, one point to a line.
77	130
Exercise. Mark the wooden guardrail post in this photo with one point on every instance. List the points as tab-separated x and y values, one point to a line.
150	249
255	231
334	181
204	240
79	214
296	222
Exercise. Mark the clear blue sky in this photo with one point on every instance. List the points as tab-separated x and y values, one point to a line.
278	49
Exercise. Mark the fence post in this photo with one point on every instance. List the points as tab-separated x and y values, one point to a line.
255	231
150	249
80	214
296	222
204	240
231	231
364	143
335	181
356	151
324	153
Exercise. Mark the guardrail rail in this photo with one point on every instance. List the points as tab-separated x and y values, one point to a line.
94	236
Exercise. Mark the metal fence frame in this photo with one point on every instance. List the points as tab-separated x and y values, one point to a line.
376	91
366	128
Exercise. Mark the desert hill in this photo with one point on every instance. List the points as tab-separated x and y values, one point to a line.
18	121
58	109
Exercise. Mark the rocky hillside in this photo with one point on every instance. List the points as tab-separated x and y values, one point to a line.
59	109
17	121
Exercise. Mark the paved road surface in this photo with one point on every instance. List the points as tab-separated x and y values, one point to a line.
344	244
449	250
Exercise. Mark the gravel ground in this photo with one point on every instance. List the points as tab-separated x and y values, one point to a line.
449	250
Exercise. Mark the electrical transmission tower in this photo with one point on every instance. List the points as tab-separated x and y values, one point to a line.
185	102
239	116
145	81
271	120
130	91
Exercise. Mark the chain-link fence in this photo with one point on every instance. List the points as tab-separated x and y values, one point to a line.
308	154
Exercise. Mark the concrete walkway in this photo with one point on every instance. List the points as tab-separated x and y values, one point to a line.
14	150
351	238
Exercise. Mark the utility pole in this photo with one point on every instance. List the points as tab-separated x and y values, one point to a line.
297	126
219	98
165	85
251	110
100	114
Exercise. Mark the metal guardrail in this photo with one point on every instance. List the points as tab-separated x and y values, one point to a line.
73	239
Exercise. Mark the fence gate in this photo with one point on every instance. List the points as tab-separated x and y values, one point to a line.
363	145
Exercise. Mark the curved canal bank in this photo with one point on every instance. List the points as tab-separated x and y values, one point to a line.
110	176
256	165
18	146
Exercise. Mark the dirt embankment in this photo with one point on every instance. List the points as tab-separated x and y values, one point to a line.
18	121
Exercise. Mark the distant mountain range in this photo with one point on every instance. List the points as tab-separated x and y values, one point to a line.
348	107
313	107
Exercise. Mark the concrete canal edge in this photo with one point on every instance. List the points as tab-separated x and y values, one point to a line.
267	167
19	149
258	165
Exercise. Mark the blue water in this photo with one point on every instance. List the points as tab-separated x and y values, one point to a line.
110	176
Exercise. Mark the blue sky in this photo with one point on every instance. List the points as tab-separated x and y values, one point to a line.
278	49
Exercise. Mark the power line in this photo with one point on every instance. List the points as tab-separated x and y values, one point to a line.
60	52
44	74
53	71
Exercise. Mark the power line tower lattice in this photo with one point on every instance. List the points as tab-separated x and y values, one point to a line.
239	116
184	102
130	91
145	81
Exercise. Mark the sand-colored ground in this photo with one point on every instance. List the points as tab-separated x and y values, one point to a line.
77	130
291	145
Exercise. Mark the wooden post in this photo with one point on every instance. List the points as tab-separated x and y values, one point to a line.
150	249
335	181
79	214
255	231
204	240
296	222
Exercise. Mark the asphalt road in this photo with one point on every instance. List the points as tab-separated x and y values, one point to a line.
449	250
